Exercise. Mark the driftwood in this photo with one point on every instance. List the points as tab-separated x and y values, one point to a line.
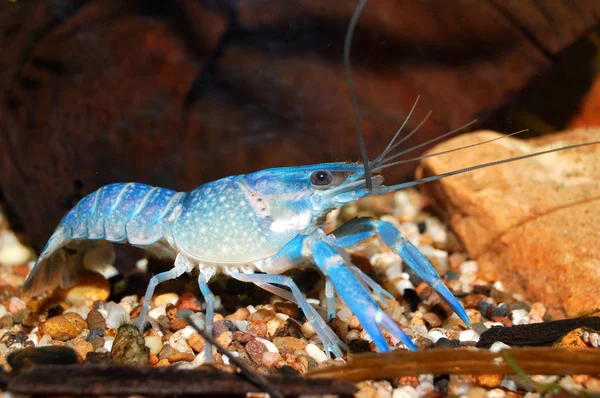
178	93
536	333
532	360
77	380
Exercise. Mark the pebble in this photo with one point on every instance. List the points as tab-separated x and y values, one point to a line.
158	311
288	345
241	314
164	299
433	320
242	337
89	287
196	342
258	329
572	340
83	348
316	353
468	335
178	341
405	392
287	308
154	344
307	330
63	327
242	326
15	305
520	317
225	339
489	381
129	347
181	357
262	315
499	346
256	349
116	316
435	334
270	346
95	320
270	358
276	325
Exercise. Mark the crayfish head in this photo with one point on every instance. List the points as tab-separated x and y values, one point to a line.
300	197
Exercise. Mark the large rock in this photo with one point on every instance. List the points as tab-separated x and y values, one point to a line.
533	224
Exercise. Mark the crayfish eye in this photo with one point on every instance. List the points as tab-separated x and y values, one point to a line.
321	178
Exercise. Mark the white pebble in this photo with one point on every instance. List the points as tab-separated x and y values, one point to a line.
403	285
499	346
316	353
365	336
441	256
405	205
393	272
385	261
187	331
509	384
352	335
108	343
12	252
520	317
499	286
270	346
142	265
496	393
490	324
410	230
16	304
44	340
469	267
154	343
313	301
435	334
468	335
3	311
116	316
344	314
242	326
425	389
405	392
436	229
179	342
157	311
251	309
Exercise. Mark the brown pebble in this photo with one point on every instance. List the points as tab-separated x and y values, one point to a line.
242	337
95	320
423	290
163	362
287	308
196	342
83	348
299	363
129	347
256	349
180	357
289	344
412	381
263	315
166	351
240	315
153	360
97	342
339	327
572	340
258	329
225	339
270	358
63	327
432	319
178	324
503	320
472	300
219	327
423	343
489	381
6	321
189	301
170	311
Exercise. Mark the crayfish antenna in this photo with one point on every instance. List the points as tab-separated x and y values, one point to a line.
347	45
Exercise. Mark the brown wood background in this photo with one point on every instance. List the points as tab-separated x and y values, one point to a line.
177	93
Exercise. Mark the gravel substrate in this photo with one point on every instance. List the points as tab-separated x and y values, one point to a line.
271	334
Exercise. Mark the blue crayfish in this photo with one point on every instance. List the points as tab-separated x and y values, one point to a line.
253	228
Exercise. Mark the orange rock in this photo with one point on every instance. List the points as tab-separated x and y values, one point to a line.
531	224
88	288
63	327
488	381
572	340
